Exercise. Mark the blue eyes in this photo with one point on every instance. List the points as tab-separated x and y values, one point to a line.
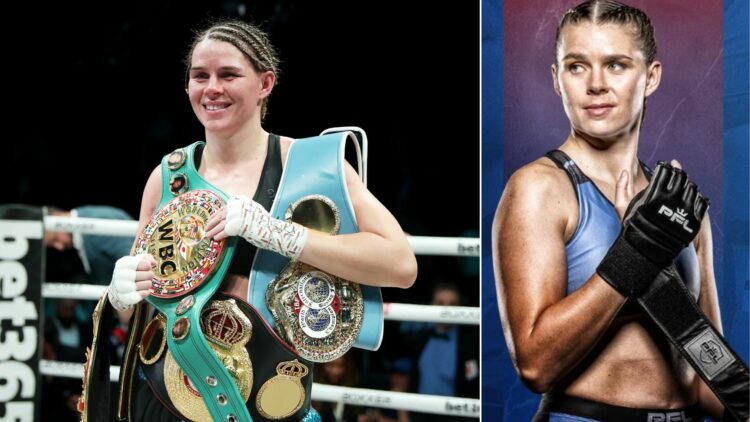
576	68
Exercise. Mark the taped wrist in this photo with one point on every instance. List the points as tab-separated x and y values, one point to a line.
626	269
251	221
114	299
284	238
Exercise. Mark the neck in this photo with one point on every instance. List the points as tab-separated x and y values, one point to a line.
245	145
604	159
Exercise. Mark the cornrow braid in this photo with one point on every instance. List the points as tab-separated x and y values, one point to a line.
611	11
248	39
262	44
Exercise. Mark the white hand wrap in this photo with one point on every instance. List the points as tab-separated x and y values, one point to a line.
122	292
250	220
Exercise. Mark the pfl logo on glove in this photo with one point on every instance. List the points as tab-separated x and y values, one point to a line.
676	216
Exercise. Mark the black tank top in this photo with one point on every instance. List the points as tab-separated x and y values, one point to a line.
244	253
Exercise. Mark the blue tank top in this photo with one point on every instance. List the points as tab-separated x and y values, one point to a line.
598	227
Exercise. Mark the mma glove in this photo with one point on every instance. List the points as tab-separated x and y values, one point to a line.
250	220
659	223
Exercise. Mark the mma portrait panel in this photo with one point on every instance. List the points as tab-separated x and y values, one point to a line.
693	117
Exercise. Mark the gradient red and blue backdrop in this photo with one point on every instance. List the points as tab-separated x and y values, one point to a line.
699	115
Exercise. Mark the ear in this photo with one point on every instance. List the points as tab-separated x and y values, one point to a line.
653	77
554	79
267	81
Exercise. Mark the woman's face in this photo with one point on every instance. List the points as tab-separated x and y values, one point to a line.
225	90
602	77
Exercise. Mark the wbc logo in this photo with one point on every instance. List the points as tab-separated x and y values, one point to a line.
676	216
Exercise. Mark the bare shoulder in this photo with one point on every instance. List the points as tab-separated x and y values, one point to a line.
285	142
153	184
541	180
539	193
151	194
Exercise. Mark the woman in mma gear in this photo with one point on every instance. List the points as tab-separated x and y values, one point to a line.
570	321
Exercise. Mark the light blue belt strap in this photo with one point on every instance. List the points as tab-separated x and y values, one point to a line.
316	166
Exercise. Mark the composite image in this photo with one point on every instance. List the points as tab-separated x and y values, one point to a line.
503	210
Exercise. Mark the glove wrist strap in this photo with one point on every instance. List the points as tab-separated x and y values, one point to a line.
626	269
670	305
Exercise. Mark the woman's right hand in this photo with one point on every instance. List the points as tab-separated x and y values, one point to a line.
661	221
131	281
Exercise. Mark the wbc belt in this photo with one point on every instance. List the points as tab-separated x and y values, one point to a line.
319	314
190	268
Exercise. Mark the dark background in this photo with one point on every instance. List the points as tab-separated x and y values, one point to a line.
96	97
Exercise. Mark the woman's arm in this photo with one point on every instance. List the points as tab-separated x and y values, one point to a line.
379	255
149	201
547	332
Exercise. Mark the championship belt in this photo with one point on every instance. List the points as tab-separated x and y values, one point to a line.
228	330
189	270
319	314
276	385
96	388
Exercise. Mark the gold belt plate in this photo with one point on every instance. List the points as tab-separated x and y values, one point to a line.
227	330
176	237
319	314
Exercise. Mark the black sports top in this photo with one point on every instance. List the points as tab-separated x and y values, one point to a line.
244	253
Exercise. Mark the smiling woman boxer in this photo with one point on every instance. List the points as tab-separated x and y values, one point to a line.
231	71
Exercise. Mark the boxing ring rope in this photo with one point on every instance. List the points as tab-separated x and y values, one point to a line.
91	225
391	311
422	245
426	403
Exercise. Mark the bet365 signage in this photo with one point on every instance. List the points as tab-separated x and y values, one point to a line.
21	269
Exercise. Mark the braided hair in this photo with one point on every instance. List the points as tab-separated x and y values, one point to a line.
611	11
252	41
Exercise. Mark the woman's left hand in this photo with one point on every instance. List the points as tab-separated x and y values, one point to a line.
244	217
623	193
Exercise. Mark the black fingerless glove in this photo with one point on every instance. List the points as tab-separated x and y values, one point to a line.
659	223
